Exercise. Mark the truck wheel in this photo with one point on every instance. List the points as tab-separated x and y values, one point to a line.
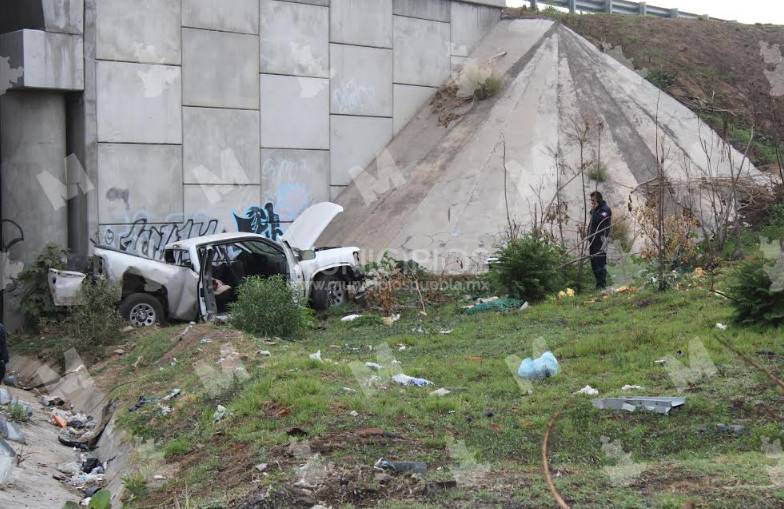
329	291
142	310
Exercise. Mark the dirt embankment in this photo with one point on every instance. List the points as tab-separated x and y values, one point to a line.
716	68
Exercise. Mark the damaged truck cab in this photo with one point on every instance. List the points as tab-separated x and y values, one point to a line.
199	277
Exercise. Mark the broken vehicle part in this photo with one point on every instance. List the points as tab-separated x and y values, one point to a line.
659	405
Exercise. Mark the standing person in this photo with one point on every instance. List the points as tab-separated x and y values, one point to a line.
3	352
598	237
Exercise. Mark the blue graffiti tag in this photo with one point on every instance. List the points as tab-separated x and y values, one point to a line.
260	220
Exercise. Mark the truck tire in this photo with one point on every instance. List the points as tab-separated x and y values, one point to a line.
329	291
142	310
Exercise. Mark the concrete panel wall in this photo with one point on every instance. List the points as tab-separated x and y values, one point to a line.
41	59
220	69
355	142
138	103
421	51
32	143
469	24
65	16
220	146
138	178
294	39
294	179
409	99
227	15
361	80
363	22
146	31
294	112
437	10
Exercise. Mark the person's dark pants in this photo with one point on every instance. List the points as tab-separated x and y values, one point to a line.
599	267
3	352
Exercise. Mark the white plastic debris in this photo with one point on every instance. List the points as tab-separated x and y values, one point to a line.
373	365
440	392
265	353
721	326
349	390
316	356
389	320
524	306
353	413
630	387
402	379
349	318
220	413
588	391
660	361
445	331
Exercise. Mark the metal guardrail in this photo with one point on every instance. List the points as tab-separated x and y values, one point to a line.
621	7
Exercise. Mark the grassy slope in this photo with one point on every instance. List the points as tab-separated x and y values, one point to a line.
713	67
604	343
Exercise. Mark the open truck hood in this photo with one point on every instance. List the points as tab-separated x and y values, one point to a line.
308	227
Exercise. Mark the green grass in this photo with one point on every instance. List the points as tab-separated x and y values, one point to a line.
605	343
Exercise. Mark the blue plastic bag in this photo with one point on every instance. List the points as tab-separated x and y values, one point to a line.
538	369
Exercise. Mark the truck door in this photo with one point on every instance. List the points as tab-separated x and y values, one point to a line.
208	307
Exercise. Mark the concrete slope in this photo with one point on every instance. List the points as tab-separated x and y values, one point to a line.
440	195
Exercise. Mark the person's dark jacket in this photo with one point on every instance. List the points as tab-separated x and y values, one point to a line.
599	227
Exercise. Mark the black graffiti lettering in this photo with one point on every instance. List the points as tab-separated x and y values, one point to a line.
150	239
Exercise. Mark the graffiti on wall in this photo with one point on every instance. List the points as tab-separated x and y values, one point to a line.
9	269
260	220
147	238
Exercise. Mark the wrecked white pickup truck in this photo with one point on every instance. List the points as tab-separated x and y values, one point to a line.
199	276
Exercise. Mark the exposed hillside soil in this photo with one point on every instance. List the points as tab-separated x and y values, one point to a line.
715	68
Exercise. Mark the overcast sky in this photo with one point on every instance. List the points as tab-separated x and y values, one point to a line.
746	11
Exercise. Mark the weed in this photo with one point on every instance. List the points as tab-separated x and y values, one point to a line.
661	78
95	320
597	173
753	298
18	413
479	81
36	303
135	485
268	307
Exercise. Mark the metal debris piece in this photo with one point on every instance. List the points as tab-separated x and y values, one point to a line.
658	405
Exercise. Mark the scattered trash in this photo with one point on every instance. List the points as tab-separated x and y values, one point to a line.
316	356
119	351
205	340
659	405
486	300
401	347
172	394
10	380
721	326
416	467
524	306
445	331
540	368
402	379
349	318
48	401
10	431
220	413
660	361
488	413
588	391
296	432
389	320
349	389
59	421
353	413
440	392
506	304
568	293
261	467
630	387
264	353
373	365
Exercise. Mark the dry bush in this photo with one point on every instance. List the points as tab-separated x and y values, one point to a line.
679	234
